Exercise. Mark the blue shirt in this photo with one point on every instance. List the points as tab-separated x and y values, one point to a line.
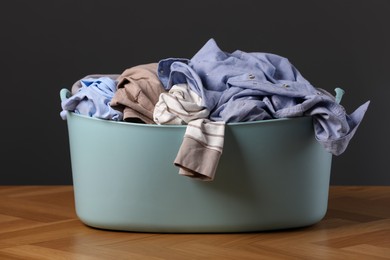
92	99
243	86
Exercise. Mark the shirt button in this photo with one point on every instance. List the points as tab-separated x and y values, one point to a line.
285	85
251	76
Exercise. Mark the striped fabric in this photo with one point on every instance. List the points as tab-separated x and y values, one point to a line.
179	106
201	149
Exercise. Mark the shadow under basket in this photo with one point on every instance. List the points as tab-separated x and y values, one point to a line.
272	175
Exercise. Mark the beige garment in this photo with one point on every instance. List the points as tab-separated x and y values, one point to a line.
202	146
138	90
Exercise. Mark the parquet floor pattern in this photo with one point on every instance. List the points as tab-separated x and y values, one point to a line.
39	222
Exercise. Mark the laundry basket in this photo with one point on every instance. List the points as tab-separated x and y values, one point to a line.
273	174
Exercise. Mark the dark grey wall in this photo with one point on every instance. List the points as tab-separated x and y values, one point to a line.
47	45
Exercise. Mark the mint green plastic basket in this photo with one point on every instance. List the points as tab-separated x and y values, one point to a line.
272	174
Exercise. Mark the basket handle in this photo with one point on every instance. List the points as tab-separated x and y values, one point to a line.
65	94
339	94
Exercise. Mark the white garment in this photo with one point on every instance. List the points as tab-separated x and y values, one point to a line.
202	144
179	106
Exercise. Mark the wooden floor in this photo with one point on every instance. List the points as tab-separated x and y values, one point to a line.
39	222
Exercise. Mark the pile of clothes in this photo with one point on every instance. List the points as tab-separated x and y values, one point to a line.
208	91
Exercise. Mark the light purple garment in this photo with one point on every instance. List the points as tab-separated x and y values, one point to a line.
91	97
243	86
